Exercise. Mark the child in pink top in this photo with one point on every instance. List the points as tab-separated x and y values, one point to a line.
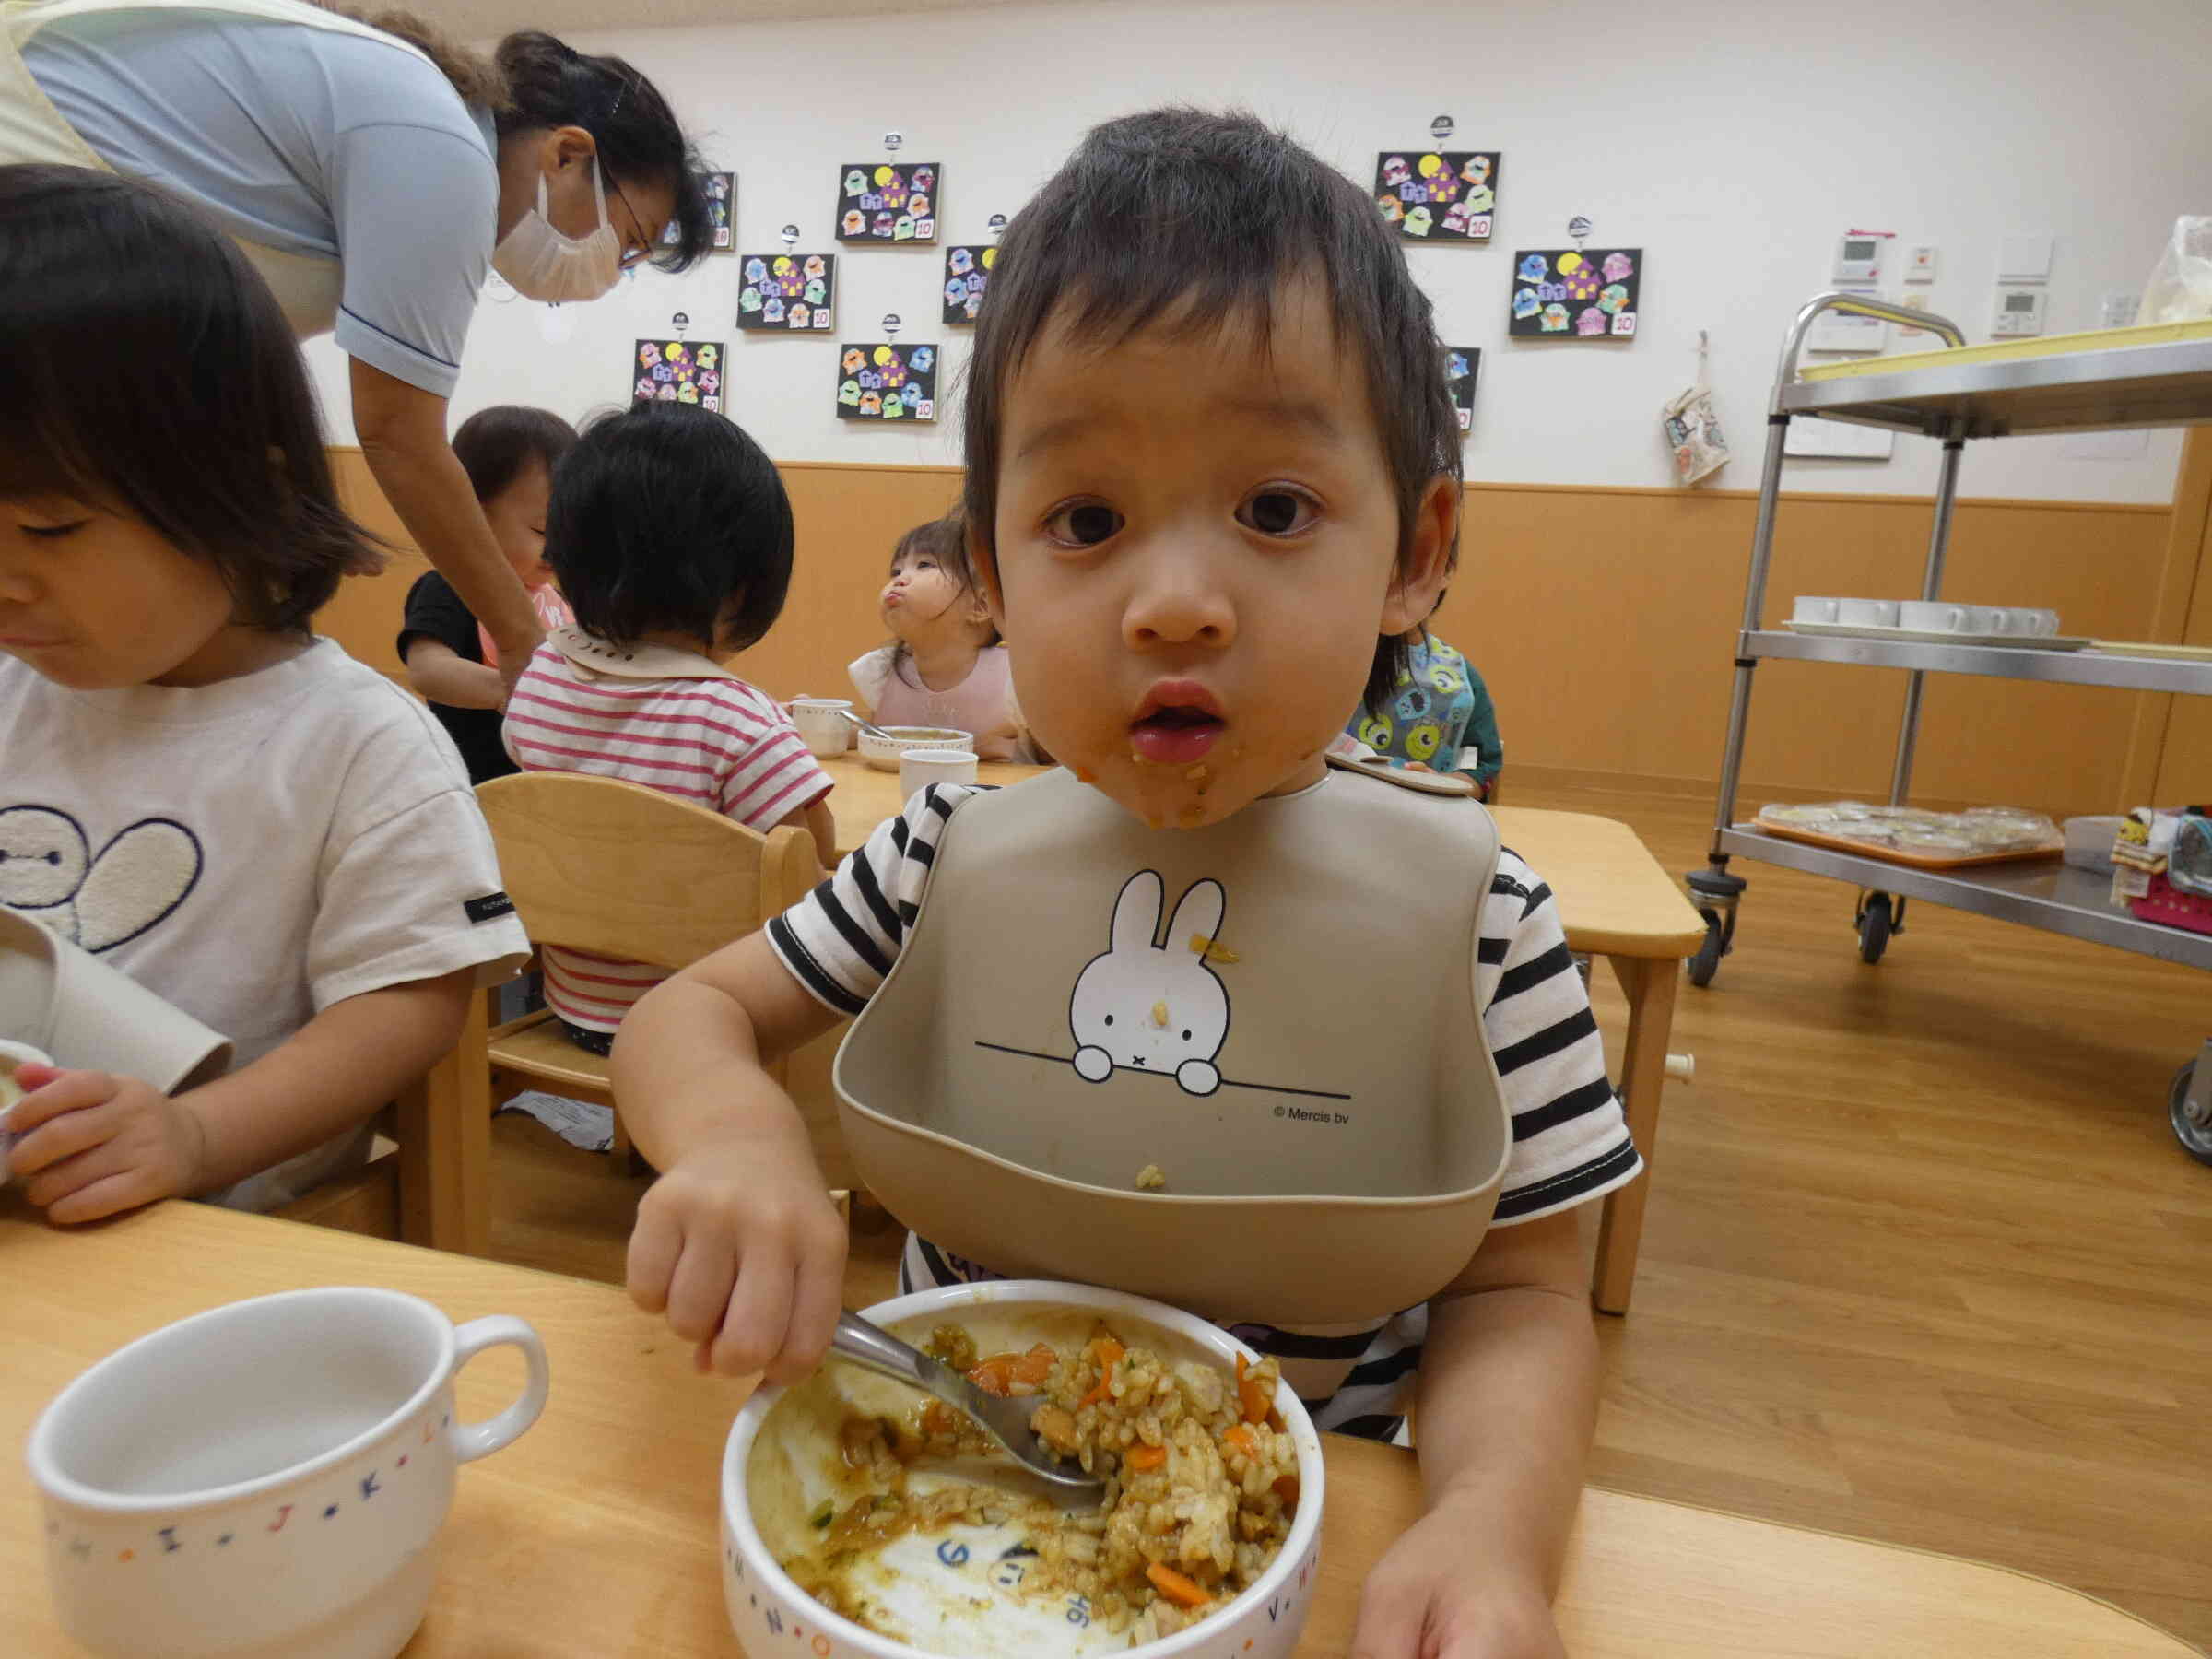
671	535
944	666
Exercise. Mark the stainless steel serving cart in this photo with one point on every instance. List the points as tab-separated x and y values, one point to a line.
2124	385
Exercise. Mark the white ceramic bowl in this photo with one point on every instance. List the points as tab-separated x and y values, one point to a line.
771	1614
884	755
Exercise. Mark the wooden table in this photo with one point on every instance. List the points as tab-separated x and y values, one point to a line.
595	1535
1615	901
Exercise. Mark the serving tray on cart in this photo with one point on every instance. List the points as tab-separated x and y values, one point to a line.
2054	848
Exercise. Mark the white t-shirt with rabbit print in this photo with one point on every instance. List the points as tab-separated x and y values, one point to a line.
1570	1141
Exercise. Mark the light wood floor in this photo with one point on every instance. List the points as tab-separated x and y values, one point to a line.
1921	1262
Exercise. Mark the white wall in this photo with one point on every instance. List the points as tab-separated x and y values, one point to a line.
1733	140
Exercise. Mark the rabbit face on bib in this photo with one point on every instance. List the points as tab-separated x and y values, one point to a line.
1144	1007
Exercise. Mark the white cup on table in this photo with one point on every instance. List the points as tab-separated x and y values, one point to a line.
822	723
1808	607
918	769
1866	613
1933	616
267	1478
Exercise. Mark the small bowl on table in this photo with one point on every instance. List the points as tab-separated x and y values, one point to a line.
958	1594
882	753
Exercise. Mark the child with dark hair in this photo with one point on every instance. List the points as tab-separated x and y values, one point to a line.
671	535
272	837
1439	717
1213	484
509	453
945	665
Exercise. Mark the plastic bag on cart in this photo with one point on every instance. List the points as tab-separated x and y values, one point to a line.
2180	289
1693	429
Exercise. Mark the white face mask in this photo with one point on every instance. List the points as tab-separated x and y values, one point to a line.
542	264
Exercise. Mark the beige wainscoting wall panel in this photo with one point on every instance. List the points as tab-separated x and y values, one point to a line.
1604	620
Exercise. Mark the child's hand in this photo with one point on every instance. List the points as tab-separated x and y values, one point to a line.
90	1144
1440	1593
746	1255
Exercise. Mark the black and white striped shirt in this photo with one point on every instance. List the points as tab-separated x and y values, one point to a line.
1571	1142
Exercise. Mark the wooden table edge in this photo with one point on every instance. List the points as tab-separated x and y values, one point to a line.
1951	1557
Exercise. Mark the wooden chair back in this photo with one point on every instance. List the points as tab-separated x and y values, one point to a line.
621	870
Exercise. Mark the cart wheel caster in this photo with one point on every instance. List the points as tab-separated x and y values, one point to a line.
2193	1132
1714	892
1707	962
1876	925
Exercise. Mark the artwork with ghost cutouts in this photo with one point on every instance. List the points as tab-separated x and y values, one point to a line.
787	293
1575	293
721	191
1463	366
878	381
966	273
889	202
1439	196
681	372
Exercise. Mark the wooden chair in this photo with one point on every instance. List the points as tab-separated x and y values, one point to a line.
620	870
433	1186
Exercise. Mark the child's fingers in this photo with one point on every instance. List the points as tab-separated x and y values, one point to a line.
759	1312
61	1137
56	1180
108	1195
655	1243
63	1092
699	1290
817	1299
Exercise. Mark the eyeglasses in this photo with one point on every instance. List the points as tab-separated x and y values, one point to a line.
639	248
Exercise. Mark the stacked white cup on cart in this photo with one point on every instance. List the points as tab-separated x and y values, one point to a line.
1929	615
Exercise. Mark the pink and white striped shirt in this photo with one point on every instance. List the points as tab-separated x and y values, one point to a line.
672	721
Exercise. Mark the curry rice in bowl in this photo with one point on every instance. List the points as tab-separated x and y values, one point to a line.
862	1518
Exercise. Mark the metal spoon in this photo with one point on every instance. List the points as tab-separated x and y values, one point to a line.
1005	1421
867	725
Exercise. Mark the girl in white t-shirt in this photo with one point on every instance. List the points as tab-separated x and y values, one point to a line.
944	666
192	787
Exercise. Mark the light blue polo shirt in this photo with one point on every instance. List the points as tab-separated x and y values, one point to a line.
308	141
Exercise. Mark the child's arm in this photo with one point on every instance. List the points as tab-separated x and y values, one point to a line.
402	435
738	1242
95	1145
1508	1402
443	674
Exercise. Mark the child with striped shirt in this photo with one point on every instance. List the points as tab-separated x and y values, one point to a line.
671	537
1213	483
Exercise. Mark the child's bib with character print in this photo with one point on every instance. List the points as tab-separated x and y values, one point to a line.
1083	999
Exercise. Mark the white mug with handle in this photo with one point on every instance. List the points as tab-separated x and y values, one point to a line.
1935	615
266	1478
822	723
1866	613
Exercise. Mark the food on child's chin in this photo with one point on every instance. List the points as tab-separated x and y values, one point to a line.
1201	1484
1150	1179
